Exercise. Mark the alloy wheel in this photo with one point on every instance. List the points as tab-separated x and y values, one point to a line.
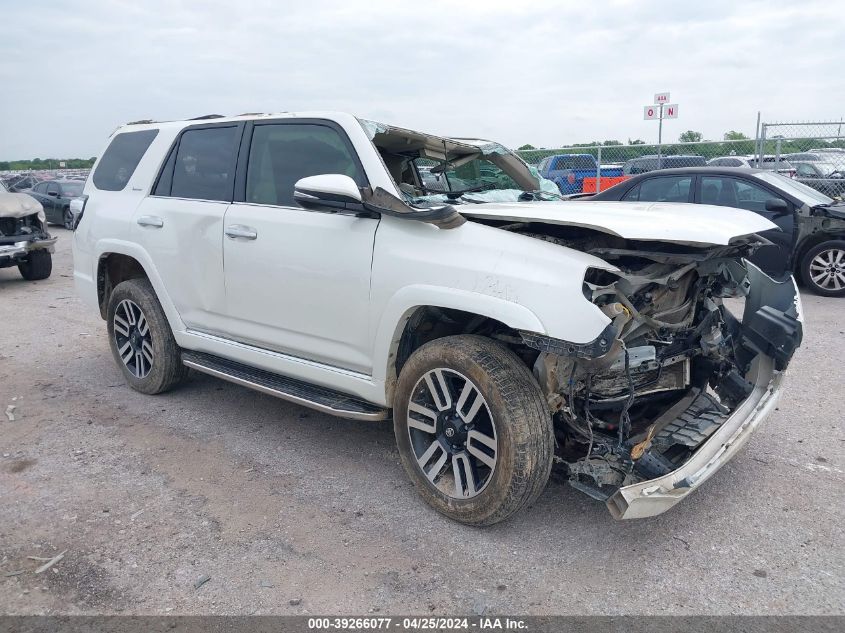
452	433
133	339
827	269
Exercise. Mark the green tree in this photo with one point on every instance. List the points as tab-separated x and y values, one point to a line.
733	135
636	141
527	146
690	136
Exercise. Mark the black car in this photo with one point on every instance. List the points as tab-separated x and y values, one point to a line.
55	197
651	162
810	239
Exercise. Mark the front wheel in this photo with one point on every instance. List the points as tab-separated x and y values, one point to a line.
473	429
67	218
38	265
823	268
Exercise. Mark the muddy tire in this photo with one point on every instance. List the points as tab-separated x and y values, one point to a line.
473	429
38	265
141	340
823	269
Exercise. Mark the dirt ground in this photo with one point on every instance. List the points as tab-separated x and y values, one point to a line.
293	512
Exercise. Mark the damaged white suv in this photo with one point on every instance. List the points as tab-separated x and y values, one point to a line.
373	272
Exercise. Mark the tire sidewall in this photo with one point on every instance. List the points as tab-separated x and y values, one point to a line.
805	268
477	508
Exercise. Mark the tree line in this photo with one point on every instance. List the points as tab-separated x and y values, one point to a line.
42	164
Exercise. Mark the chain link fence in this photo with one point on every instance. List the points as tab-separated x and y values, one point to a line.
813	153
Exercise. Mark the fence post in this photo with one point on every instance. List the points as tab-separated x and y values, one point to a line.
762	144
598	171
777	154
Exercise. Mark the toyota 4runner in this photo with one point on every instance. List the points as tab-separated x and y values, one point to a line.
374	272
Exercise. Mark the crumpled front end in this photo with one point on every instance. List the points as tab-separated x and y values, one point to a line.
676	383
23	228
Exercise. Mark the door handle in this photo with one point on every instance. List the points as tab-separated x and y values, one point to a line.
241	231
151	220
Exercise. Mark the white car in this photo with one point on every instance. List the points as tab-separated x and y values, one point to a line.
302	255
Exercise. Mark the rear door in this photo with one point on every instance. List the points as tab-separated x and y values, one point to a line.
662	189
297	281
181	223
741	193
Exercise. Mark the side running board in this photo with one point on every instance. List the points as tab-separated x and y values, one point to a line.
308	395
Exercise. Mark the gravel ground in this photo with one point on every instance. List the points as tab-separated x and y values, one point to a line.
293	512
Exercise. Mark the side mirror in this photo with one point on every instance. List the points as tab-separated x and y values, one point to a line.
328	192
777	206
53	194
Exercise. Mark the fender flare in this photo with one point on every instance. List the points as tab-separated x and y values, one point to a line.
402	305
107	247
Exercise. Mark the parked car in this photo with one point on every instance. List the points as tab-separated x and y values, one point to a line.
810	234
498	337
730	161
24	240
827	177
55	197
19	184
568	171
651	162
776	164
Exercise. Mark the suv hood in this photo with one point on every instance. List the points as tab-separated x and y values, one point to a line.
650	221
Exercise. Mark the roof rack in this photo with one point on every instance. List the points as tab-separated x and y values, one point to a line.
206	116
140	122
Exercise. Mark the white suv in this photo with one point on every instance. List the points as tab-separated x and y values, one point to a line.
309	256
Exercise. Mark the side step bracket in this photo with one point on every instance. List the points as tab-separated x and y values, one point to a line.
303	393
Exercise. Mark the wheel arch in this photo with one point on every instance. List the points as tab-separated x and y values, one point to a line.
813	240
120	261
407	324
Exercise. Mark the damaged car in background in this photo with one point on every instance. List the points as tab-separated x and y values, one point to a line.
24	240
440	282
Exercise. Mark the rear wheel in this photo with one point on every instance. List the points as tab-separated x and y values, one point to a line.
823	268
141	340
473	429
38	265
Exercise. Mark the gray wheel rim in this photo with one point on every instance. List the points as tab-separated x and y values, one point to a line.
827	269
452	433
133	339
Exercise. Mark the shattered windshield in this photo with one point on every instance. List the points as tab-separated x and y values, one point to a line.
473	180
479	174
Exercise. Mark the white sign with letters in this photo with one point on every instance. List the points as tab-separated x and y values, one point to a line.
661	97
651	112
670	111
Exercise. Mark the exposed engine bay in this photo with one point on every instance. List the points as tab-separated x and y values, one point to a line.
672	365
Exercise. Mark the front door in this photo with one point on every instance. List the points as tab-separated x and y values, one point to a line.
743	194
298	281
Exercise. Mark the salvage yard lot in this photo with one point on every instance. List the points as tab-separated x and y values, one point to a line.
290	511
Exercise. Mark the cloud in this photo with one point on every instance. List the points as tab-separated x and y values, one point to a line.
545	73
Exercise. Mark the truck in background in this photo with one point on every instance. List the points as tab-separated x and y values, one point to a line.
577	173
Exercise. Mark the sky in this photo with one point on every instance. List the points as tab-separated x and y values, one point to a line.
545	73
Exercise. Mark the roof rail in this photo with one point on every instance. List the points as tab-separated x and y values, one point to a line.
141	122
206	116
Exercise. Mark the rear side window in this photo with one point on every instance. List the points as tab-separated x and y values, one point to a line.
204	166
120	159
281	154
663	189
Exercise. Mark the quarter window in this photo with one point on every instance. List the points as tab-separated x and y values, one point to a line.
281	154
205	164
120	159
